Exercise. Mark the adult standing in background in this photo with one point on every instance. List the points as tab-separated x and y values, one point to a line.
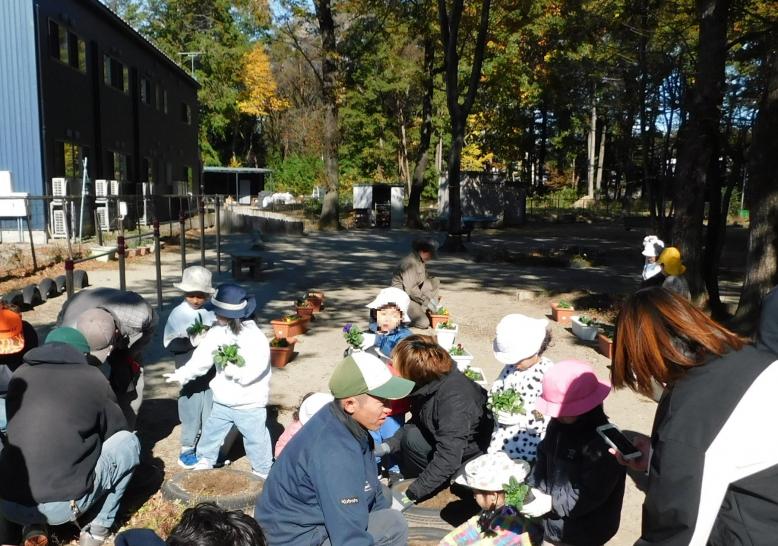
412	278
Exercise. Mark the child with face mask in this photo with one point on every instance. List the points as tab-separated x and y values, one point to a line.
389	328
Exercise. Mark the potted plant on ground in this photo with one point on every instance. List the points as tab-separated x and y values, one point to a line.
289	326
561	312
438	316
605	340
316	300
281	351
507	406
304	308
460	356
476	375
354	337
584	327
446	333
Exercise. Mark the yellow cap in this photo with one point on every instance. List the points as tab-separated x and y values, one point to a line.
670	258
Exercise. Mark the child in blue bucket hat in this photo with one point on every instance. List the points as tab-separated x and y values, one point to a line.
241	354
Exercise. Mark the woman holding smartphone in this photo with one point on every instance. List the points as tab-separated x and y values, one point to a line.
712	465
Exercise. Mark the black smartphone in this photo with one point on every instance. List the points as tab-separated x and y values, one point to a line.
616	439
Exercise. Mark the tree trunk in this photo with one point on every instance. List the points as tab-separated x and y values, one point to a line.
458	112
329	218
600	160
412	216
698	139
543	144
761	273
590	153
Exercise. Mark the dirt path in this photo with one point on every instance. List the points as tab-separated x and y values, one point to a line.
350	267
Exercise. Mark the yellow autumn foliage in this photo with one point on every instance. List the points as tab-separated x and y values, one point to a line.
260	95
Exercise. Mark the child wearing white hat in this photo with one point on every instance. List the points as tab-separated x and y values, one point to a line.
195	398
499	523
309	405
519	344
652	248
391	306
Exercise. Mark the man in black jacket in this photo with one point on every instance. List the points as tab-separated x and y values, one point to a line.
68	448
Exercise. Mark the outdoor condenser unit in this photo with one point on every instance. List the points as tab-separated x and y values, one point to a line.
101	188
104	216
116	187
59	187
58	220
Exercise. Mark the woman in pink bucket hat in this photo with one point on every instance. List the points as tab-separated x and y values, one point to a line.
577	484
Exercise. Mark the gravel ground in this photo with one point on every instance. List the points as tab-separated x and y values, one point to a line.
350	267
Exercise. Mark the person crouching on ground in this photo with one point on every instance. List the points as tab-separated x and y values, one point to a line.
577	484
185	328
390	328
68	453
519	344
241	354
325	489
449	420
412	278
499	523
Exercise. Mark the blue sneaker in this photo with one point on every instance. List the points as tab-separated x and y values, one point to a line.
187	460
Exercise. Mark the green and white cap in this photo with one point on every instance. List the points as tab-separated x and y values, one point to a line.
361	373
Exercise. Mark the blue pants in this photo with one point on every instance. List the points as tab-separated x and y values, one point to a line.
392	424
251	424
193	411
118	458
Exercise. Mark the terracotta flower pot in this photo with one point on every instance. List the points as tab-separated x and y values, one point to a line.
561	315
316	303
305	312
605	346
437	319
284	329
281	356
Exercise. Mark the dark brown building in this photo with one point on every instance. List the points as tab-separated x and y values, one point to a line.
101	92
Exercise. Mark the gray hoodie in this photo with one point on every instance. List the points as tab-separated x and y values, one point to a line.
767	333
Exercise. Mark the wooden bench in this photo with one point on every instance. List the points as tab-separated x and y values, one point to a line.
469	222
250	260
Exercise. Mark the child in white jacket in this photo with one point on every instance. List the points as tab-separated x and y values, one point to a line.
241	354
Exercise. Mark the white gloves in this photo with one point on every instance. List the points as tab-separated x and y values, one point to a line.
538	507
196	339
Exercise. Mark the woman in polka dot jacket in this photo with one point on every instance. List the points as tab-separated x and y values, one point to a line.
519	344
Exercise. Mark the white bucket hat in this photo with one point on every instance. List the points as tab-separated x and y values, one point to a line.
491	472
392	296
196	279
652	246
312	404
518	337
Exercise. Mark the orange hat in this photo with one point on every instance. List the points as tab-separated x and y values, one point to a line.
11	335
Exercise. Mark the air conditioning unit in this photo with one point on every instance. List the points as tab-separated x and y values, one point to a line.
147	189
116	187
104	216
59	187
101	188
58	220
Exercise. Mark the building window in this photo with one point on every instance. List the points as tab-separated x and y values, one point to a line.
148	170
68	159
186	113
188	179
116	166
164	101
145	91
115	74
67	47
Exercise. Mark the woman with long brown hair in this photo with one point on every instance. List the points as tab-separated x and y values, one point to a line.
449	422
712	464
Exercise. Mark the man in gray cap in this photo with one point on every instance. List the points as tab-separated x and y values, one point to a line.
412	278
118	325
